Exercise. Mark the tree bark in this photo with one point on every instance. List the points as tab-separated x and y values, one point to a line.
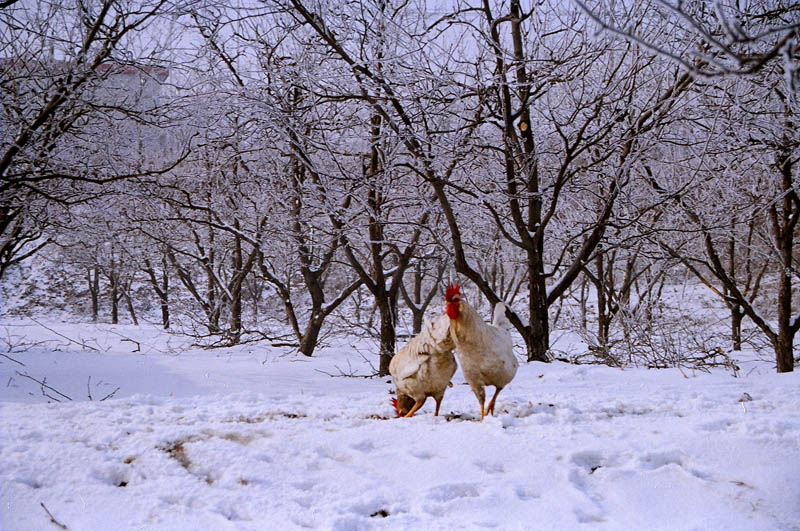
784	222
161	288
310	337
93	278
114	280
129	303
236	286
537	334
736	326
388	335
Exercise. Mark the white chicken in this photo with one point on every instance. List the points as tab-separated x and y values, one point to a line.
485	350
423	368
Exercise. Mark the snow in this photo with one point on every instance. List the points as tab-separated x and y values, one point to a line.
255	437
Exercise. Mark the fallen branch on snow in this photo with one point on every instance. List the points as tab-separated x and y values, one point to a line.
351	372
12	359
52	518
43	384
138	345
81	343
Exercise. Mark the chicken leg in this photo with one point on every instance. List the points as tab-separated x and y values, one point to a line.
490	409
417	405
480	394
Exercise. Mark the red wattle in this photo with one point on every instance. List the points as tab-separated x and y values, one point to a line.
452	310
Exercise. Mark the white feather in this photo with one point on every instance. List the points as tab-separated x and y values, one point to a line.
424	366
499	318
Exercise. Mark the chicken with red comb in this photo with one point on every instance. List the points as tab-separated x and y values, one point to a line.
485	351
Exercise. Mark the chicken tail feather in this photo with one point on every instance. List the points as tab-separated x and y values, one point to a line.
499	318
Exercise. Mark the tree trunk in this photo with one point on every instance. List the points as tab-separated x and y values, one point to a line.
584	303
784	351
161	288
114	297
603	314
308	342
736	326
236	288
784	222
163	296
784	340
94	290
538	340
418	312
388	337
129	304
211	287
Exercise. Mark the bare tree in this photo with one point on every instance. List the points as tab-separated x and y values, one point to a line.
713	38
583	107
65	72
426	275
760	223
505	99
282	172
757	45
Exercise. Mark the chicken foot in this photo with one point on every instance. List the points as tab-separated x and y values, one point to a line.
490	409
481	396
438	403
417	405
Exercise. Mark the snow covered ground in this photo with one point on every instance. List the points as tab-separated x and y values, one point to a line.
258	438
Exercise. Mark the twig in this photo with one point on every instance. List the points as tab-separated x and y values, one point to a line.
351	373
17	344
89	391
12	359
80	343
52	518
109	395
343	374
138	345
43	384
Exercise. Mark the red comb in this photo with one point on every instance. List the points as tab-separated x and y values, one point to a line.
396	406
453	290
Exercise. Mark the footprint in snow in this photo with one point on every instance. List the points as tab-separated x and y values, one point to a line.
29	481
489	468
306	502
589	517
114	475
374	508
303	485
332	454
717	425
422	454
587	463
453	491
366	446
591	460
655	460
525	493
